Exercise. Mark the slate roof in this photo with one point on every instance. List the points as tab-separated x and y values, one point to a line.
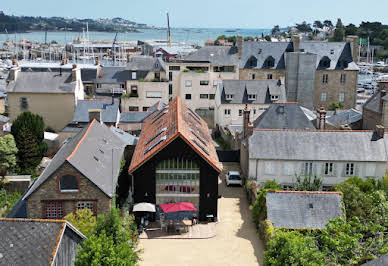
88	75
303	209
133	117
90	152
145	63
317	145
216	55
380	261
240	89
42	82
125	137
4	119
178	121
337	52
346	117
32	241
109	110
373	103
283	116
113	75
263	50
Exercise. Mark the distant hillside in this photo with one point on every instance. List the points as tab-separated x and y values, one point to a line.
24	23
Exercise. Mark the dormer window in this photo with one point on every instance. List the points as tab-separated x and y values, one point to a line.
252	62
332	51
251	96
229	96
325	62
68	183
269	62
259	52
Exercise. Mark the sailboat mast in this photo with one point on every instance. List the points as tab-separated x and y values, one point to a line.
168	31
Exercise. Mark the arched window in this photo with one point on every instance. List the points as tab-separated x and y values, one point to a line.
252	62
68	183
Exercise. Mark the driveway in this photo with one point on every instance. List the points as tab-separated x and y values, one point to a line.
236	242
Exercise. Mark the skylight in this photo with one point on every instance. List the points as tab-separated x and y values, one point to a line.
200	146
198	137
154	145
195	118
192	112
159	116
156	135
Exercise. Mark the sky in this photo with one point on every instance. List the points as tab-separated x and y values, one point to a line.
207	13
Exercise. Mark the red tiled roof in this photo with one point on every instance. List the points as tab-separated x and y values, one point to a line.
179	121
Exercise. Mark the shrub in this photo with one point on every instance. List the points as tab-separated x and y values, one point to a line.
259	208
83	220
8	200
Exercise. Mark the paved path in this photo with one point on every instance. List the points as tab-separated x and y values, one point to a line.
236	243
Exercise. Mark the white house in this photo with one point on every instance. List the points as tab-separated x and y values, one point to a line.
333	155
235	96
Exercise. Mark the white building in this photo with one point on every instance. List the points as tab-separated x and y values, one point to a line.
281	155
235	96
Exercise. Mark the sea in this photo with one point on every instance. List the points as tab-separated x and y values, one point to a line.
196	36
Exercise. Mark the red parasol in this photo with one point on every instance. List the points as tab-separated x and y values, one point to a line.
177	207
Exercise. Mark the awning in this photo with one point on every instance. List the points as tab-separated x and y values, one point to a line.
177	207
144	207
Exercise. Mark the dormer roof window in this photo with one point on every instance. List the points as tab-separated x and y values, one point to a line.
229	96
252	62
251	96
269	62
325	62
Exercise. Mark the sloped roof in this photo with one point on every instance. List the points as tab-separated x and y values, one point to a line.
88	74
145	63
32	241
113	74
216	55
138	116
317	145
283	116
127	138
109	110
90	152
373	103
263	89
380	261
263	50
346	117
176	120
42	82
303	209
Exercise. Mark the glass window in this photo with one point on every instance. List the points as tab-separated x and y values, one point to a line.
133	108
252	76
170	89
227	112
229	96
86	204
349	169
307	169
204	96
323	97
240	112
153	94
343	78
174	68
204	82
23	103
170	76
325	78
212	96
68	183
328	169
251	96
133	75
53	209
145	108
188	96
341	96
269	76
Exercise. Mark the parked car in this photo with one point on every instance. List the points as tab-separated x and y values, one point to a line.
360	90
233	178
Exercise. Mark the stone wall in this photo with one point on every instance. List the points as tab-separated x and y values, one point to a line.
49	191
370	119
245	74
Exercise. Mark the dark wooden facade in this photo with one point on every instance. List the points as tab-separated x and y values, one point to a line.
145	183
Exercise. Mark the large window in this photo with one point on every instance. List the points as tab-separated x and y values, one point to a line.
307	168
23	103
86	204
53	209
349	169
325	78
68	183
177	180
328	169
341	97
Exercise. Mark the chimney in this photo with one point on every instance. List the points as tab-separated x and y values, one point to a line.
250	129
98	62
15	62
353	41
380	130
239	43
321	118
246	121
64	61
95	114
296	43
13	73
75	73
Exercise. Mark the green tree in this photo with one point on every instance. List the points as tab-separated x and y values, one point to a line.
335	105
267	38
8	153
351	29
304	27
318	24
275	30
259	209
308	183
83	220
328	23
28	131
292	248
339	33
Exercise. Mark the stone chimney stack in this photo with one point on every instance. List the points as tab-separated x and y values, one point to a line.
14	71
246	122
353	41
321	118
380	130
239	43
95	114
296	43
64	61
75	73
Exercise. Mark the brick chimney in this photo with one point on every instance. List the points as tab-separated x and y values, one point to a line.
95	114
246	122
380	130
321	118
239	43
296	43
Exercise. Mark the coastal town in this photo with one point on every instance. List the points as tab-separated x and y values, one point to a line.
267	149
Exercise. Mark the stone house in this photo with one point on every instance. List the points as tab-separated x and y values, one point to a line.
52	94
83	174
38	242
375	109
283	154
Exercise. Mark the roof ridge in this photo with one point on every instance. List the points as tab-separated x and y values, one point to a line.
305	192
98	100
81	140
54	252
32	220
313	130
178	116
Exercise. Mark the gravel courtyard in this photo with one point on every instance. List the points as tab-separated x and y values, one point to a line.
236	242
